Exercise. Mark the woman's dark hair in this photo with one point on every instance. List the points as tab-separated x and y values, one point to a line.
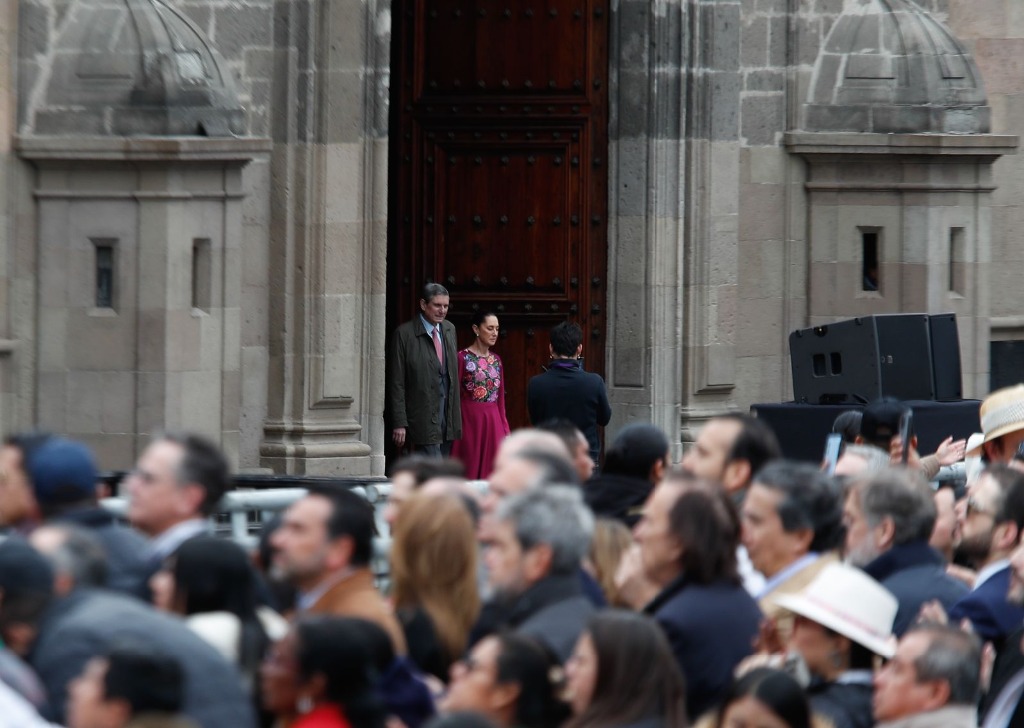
335	648
148	680
635	451
481	315
215	575
704	520
847	424
405	696
776	690
526	662
638	676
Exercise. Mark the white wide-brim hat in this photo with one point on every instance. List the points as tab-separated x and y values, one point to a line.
1002	412
974	442
846	600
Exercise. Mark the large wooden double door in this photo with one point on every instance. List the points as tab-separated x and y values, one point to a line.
499	170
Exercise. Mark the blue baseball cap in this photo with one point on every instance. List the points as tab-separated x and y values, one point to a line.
62	471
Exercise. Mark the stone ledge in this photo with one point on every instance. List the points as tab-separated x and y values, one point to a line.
142	149
1006	323
853	143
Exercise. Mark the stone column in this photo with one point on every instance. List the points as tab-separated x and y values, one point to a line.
8	170
712	198
328	238
674	200
648	50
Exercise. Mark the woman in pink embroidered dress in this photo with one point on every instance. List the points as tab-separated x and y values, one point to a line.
482	396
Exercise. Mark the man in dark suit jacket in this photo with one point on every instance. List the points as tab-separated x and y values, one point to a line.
422	378
991	518
566	391
1003	706
889	518
687	539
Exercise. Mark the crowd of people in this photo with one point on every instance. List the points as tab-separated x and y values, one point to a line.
735	588
732	589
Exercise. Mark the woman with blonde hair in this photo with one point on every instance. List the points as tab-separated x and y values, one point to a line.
433	575
611	541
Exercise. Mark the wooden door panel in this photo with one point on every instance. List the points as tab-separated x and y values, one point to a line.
496	237
485	48
498	183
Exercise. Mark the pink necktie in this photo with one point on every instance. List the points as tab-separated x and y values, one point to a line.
437	347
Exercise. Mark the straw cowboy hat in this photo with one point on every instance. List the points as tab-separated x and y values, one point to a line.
846	600
1002	412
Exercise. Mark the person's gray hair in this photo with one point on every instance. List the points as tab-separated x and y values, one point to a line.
532	439
901	497
875	458
550	468
807	500
80	555
431	291
954	656
555	516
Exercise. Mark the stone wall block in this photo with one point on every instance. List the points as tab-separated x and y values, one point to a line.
778	39
754	53
725	88
768	80
763	119
632	103
238	27
723	35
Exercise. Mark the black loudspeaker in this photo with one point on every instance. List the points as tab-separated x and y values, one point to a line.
891	355
946	371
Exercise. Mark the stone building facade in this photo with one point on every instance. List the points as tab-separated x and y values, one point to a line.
194	217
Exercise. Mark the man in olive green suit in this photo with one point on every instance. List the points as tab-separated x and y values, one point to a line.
423	372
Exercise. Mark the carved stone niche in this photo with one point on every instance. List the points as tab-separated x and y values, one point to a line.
135	249
138	315
899	175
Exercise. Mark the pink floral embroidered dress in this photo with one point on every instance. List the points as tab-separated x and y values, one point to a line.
484	425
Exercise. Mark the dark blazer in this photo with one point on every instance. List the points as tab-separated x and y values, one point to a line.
567	391
554	611
992	615
846	705
413	401
711	628
128	570
88	622
617	496
1009	662
915	573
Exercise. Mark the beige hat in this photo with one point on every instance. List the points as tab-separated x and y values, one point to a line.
1002	412
846	600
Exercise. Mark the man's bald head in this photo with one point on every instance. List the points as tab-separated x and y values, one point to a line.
530	439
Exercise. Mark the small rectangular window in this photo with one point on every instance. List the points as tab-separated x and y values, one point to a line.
956	260
869	241
202	274
104	273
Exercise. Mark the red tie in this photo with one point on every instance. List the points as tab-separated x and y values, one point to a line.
437	347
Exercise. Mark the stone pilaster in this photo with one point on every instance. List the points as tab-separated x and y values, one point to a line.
711	213
8	172
649	48
328	232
